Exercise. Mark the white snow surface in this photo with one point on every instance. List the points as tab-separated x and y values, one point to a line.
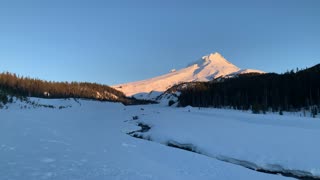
205	69
88	141
271	141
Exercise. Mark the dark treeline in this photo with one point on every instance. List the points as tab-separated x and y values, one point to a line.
260	92
13	85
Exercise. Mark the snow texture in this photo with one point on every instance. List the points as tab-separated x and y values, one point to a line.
272	142
88	140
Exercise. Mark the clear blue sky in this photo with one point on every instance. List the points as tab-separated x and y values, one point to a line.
120	41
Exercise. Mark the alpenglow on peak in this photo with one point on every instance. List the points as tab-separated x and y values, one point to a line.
206	68
213	58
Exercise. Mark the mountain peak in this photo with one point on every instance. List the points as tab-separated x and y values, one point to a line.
206	68
215	57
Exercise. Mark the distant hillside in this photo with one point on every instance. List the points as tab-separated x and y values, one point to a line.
13	85
261	92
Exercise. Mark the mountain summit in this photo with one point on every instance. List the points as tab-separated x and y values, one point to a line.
212	66
205	69
216	58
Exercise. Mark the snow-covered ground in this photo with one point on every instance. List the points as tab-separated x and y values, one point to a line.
87	140
269	142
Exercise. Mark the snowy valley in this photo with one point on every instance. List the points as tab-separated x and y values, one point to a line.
159	90
89	140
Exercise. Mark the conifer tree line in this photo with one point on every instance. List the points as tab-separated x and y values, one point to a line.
290	91
13	85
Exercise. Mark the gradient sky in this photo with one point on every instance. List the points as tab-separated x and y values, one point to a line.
112	42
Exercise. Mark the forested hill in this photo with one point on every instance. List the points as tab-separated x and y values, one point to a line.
261	92
13	85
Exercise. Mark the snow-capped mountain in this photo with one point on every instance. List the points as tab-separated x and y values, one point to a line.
205	69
